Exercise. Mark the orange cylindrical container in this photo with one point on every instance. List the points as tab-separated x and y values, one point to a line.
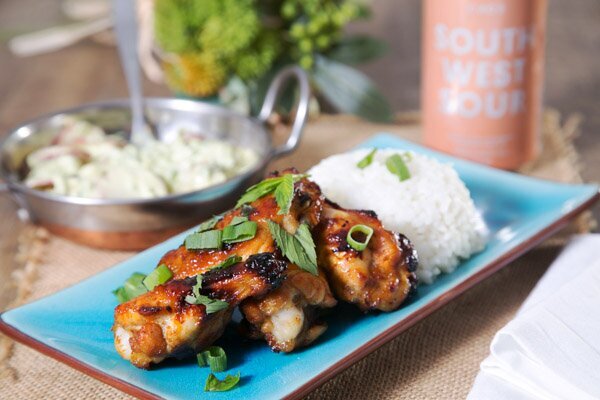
482	78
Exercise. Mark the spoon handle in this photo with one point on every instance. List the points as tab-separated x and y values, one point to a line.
126	28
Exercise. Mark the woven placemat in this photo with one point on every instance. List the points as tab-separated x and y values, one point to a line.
437	358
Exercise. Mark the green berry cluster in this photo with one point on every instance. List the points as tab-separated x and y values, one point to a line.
316	25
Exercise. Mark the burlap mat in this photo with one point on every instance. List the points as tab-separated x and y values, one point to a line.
438	358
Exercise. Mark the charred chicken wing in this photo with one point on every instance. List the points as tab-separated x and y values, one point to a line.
161	323
306	207
377	278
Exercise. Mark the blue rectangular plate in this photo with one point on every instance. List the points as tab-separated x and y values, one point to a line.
73	325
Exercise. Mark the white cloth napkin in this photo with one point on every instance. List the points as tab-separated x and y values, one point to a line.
551	350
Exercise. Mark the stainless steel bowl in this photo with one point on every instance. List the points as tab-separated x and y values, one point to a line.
132	223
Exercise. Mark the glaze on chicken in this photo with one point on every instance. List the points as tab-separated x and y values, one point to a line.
378	278
161	324
306	207
280	302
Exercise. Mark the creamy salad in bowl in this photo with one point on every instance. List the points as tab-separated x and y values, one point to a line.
84	161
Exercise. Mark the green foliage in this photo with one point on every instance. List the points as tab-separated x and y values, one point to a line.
211	42
350	90
357	49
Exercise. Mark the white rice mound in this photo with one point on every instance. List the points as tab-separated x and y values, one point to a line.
433	208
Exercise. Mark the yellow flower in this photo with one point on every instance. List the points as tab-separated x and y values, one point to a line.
195	74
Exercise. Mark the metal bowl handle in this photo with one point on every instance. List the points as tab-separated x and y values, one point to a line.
301	111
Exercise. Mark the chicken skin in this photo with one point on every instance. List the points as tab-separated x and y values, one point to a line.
161	323
287	317
378	278
306	207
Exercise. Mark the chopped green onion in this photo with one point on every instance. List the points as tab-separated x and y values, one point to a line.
238	220
204	240
201	360
298	248
395	164
358	245
209	223
120	294
239	233
160	275
134	285
214	357
367	160
213	384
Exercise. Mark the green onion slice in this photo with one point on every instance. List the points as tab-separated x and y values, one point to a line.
204	240
213	384
209	223
160	275
354	243
367	160
120	294
214	357
238	220
134	285
395	164
239	233
211	305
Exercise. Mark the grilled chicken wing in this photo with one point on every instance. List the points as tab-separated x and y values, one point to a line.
288	316
377	278
306	207
161	324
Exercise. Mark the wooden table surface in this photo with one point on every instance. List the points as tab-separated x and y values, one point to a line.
90	71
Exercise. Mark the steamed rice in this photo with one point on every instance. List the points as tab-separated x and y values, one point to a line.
433	208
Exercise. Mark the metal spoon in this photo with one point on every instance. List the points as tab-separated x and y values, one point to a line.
126	28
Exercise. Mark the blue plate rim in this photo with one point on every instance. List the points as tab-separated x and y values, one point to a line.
368	347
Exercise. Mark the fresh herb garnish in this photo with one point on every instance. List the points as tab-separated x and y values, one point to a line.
367	160
204	240
282	186
213	384
209	223
359	245
138	283
298	248
240	232
231	260
238	220
160	275
211	305
120	294
213	357
284	193
396	165
133	287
